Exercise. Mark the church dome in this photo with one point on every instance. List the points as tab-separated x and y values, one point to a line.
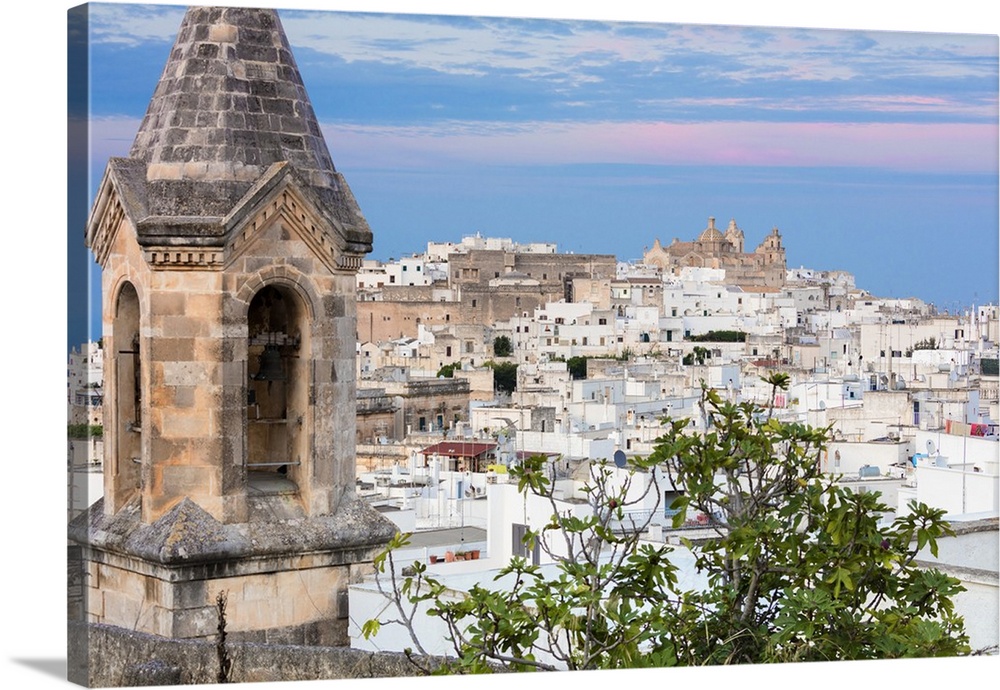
711	233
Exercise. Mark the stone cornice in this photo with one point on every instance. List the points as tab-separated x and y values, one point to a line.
188	538
278	194
212	243
191	257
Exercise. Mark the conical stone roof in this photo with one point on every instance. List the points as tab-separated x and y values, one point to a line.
229	104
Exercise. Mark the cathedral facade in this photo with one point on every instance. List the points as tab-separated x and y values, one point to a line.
763	267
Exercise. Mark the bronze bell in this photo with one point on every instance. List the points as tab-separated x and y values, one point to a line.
271	368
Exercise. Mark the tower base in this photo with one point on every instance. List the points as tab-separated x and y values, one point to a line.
284	576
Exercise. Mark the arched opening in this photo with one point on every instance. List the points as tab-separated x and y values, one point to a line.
277	391
127	398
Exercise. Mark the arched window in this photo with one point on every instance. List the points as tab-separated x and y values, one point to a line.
127	399
277	389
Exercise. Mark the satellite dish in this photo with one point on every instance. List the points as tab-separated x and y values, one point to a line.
822	404
930	447
620	458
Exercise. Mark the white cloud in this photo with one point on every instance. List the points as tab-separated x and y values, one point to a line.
134	24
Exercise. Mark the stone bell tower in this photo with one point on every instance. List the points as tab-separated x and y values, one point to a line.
228	244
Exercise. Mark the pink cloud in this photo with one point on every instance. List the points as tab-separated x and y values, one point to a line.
949	147
918	147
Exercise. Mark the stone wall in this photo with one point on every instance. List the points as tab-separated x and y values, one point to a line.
383	320
289	599
481	266
119	657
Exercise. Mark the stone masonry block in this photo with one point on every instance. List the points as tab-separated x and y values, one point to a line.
188	373
161	621
186	423
168	303
306	609
222	33
261	588
188	281
95	603
172	349
122	610
191	594
204	306
127	583
179	327
207	349
196	622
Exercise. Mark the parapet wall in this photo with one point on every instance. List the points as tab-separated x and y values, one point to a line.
120	657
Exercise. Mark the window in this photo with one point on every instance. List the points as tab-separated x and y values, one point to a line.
473	304
447	351
422	424
519	548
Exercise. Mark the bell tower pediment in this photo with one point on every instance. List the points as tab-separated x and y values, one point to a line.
279	218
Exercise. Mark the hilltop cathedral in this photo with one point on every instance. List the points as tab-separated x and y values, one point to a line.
764	267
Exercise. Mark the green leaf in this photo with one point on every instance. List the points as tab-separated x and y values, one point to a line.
370	628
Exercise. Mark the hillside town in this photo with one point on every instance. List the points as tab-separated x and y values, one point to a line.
474	355
268	408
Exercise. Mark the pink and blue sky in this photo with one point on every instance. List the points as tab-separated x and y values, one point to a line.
872	151
926	224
